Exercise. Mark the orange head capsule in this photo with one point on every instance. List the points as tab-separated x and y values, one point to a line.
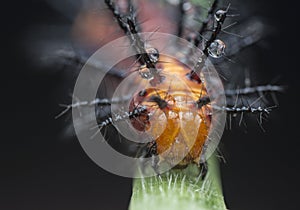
177	117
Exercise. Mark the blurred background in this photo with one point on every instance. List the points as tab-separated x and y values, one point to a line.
40	169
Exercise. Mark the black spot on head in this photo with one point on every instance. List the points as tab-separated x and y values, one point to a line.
193	77
143	93
159	101
202	101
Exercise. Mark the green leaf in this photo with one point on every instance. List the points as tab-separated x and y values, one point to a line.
180	189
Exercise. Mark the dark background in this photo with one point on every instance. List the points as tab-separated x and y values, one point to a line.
42	170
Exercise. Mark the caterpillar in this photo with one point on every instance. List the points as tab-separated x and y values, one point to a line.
174	108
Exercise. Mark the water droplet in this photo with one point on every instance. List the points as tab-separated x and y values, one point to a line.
187	6
216	48
145	73
219	14
153	54
200	60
